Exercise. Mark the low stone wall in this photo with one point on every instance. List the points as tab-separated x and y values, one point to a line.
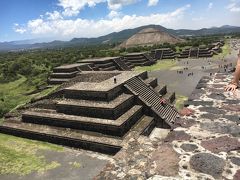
76	143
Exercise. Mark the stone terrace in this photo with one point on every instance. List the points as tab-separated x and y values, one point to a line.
97	110
204	145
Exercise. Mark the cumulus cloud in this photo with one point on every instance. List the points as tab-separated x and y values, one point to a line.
54	15
73	7
210	5
234	6
152	2
17	28
69	28
118	4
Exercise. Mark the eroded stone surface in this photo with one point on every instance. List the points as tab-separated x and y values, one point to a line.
221	144
165	160
237	175
207	163
177	136
224	128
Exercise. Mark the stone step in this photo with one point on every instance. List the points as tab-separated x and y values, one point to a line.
105	65
138	64
137	60
99	109
116	127
64	75
161	89
152	81
144	126
139	56
66	68
170	96
131	66
112	68
54	81
75	92
64	136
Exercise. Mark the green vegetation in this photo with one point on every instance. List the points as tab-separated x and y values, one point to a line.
160	65
18	93
180	101
19	156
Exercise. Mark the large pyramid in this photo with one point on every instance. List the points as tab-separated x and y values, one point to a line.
150	36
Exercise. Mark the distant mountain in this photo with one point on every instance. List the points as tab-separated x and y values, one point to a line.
150	36
115	37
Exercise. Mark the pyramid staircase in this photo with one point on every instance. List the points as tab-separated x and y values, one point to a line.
151	98
122	65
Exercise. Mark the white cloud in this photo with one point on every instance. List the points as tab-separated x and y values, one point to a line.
19	29
210	5
68	28
152	2
73	7
53	16
118	4
234	6
113	14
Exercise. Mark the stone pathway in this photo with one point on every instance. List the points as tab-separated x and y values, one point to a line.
204	145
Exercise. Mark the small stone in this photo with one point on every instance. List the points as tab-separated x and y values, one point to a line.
208	164
177	136
235	160
189	147
237	175
121	175
134	172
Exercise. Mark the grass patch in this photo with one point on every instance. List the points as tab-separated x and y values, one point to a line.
75	164
19	156
13	94
180	101
160	65
226	50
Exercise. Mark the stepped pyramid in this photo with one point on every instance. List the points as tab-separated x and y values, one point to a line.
97	110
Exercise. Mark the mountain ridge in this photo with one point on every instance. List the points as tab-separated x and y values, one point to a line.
117	37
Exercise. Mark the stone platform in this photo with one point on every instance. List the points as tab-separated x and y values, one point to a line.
204	145
97	110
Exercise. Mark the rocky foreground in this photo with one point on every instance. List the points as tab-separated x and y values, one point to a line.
204	145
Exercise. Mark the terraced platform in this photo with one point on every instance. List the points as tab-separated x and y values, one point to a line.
99	111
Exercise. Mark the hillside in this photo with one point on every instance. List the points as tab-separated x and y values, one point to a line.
150	36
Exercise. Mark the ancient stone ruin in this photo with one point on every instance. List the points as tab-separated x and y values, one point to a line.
96	110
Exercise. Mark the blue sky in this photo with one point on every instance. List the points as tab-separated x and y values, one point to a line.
65	19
